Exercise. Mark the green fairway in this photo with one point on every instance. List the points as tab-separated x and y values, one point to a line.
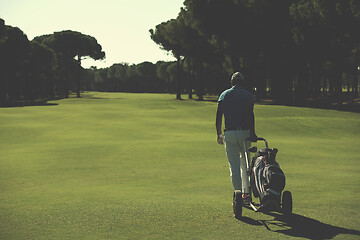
146	166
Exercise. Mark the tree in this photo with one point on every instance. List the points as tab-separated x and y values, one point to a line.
68	45
41	67
164	75
224	23
274	40
186	43
146	71
168	35
14	47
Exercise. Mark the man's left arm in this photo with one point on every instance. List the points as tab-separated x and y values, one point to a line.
253	136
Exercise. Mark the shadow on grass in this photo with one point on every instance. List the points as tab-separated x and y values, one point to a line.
28	104
328	105
319	104
299	226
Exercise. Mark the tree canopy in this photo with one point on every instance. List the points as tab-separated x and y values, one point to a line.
46	67
70	44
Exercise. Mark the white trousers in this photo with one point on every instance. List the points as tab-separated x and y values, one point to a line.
235	152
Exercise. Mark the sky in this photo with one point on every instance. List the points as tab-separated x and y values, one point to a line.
121	27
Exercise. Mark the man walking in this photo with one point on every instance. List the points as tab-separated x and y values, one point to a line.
237	106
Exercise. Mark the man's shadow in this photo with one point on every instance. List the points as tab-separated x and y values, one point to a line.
299	226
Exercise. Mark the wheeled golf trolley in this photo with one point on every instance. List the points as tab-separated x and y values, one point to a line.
277	201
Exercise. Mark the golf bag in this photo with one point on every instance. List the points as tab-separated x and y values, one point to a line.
267	180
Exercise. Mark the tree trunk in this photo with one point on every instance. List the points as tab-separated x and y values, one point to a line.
200	83
3	88
78	79
316	81
178	79
191	73
356	83
280	80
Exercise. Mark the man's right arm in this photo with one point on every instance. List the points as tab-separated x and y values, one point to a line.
218	123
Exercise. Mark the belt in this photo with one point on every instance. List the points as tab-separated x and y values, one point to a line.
232	129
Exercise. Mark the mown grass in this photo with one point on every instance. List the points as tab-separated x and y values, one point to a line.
145	166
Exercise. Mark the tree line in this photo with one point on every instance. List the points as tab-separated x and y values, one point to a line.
285	48
49	67
161	77
134	78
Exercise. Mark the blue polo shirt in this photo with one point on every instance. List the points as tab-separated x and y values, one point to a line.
234	104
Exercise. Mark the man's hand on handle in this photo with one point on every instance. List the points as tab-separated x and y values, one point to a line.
253	137
220	139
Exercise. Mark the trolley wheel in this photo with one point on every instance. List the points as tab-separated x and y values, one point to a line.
237	204
287	204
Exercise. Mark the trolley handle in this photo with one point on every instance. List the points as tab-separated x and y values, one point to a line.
261	139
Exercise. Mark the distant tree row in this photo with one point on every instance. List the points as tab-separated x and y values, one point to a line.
139	78
286	48
47	67
136	78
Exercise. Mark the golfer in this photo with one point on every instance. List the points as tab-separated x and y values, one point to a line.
237	105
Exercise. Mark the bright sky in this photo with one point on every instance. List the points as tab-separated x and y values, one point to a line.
121	27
